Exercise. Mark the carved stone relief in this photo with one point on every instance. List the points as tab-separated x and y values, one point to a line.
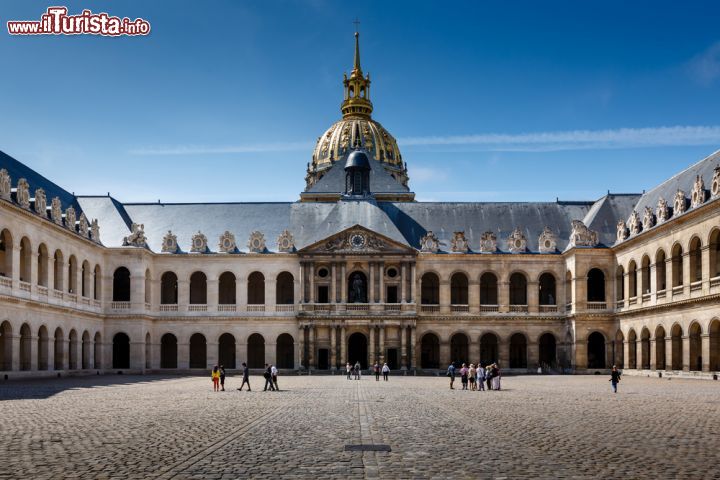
256	243
137	236
286	242
23	193
70	218
648	219
662	212
715	186
622	231
227	242
488	242
517	243
169	243
547	242
83	227
697	196
95	231
40	202
634	223
429	243
581	236
680	203
56	210
199	243
459	243
5	187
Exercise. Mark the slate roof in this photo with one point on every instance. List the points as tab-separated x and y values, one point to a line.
380	180
19	170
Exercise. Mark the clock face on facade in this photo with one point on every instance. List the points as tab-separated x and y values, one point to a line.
357	241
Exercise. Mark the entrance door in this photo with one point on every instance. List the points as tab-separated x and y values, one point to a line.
392	358
323	363
358	349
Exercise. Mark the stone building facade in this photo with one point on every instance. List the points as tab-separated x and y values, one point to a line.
357	270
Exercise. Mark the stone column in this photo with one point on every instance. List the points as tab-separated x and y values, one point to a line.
474	295
343	347
371	345
137	289
403	282
403	347
311	278
381	281
626	354
473	349
533	297
15	262
241	293
300	293
705	348
686	351
213	293
333	340
371	289
413	283
653	354
51	272
270	352
444	295
626	288
66	353
33	349
445	352
270	294
137	355
333	283
343	283
503	353
34	278
311	347
381	353
705	253
412	347
686	286
213	354
533	354
668	351
183	294
503	296
183	352
15	347
300	357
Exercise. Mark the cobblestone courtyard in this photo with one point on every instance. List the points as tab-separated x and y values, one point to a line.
145	426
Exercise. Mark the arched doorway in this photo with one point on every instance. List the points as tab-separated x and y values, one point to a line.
548	350
518	351
677	347
73	350
59	349
619	349
168	351
198	351
358	349
121	351
430	351
148	351
97	354
632	349
256	351
43	347
226	350
660	348
459	349
25	347
596	350
5	346
285	351
645	348
86	350
488	349
696	359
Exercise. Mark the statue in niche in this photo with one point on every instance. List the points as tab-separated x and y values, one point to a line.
358	289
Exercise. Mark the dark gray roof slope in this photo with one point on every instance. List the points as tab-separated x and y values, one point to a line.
683	181
380	180
605	213
19	170
415	219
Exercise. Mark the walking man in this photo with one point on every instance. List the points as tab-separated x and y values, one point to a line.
348	369
385	371
273	376
246	377
376	369
268	379
451	374
614	378
222	377
357	370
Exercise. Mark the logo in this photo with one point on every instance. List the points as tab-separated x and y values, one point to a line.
56	21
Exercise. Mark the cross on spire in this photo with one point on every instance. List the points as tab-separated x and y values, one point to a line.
357	24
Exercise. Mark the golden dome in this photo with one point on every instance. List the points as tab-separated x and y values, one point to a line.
356	129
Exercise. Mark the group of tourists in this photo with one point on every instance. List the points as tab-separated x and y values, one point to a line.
355	371
476	378
270	375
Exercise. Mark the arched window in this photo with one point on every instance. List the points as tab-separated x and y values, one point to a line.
632	349
596	350
285	289
518	289
645	274
696	358
620	283
660	271
546	286
660	348
42	266
97	283
121	285
595	285
169	288
676	343
695	260
227	289
677	266
72	274
430	351
25	259
256	289
6	252
198	288
715	253
121	350
459	289
168	351
632	279
198	351
488	289
429	289
518	351
568	288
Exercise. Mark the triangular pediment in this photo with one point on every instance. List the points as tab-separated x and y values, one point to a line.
357	240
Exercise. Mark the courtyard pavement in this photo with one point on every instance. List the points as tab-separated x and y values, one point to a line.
536	427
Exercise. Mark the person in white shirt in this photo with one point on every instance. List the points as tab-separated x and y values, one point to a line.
385	371
274	375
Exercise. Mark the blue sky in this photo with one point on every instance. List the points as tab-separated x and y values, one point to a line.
490	101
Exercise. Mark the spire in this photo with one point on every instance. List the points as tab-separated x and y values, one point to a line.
356	102
356	64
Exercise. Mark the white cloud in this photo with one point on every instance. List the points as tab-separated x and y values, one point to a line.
427	174
705	67
494	142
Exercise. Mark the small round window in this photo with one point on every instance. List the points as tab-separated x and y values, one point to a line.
392	272
323	272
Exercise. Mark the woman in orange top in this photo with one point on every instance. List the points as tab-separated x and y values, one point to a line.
216	378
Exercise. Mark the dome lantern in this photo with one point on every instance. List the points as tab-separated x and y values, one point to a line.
357	89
